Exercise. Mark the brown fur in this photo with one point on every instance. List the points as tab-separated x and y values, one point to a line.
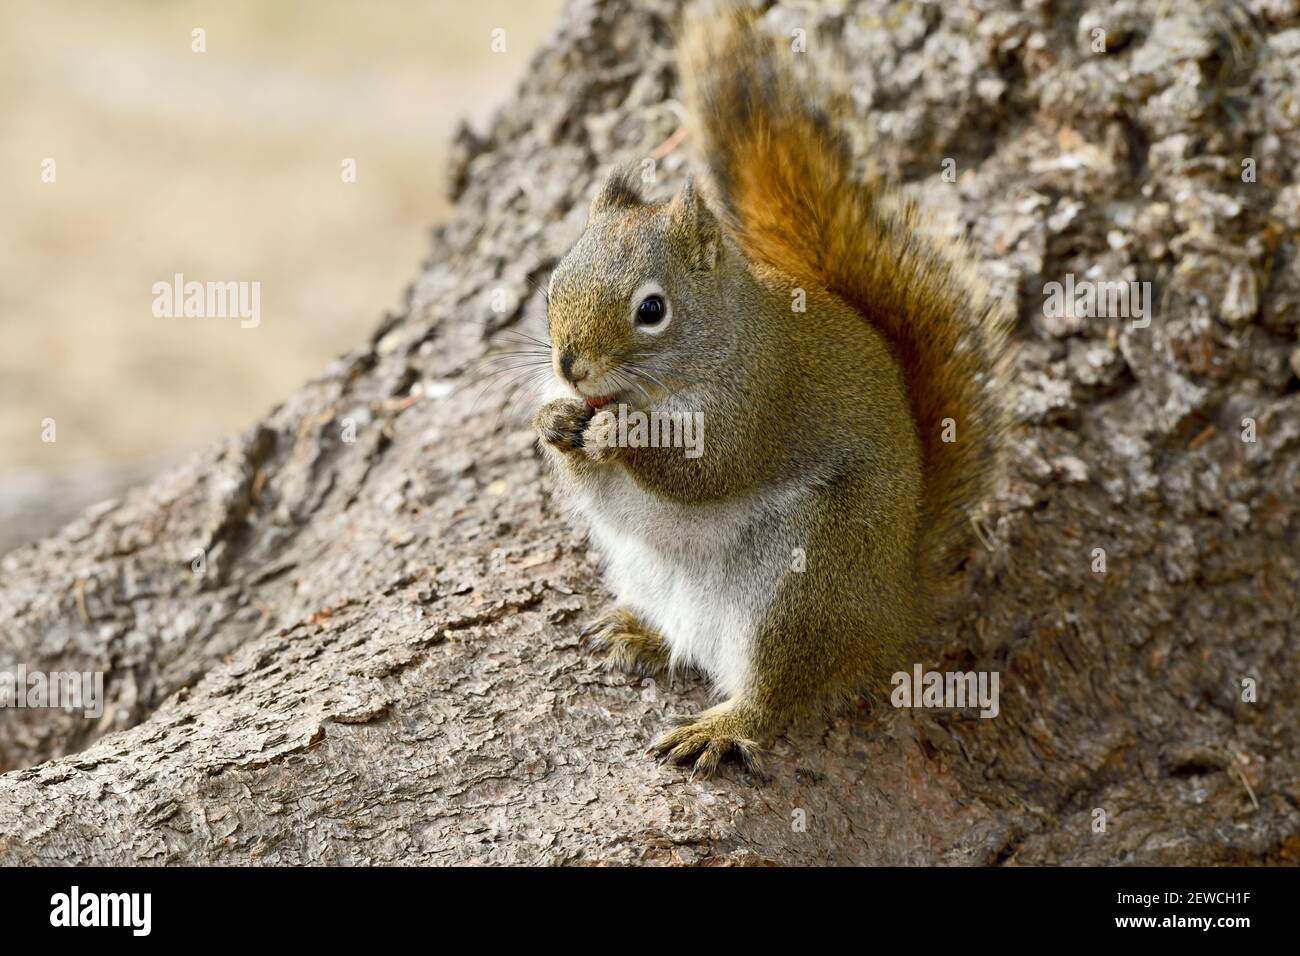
782	176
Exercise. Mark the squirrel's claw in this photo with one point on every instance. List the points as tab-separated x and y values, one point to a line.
561	422
626	642
598	438
705	741
571	426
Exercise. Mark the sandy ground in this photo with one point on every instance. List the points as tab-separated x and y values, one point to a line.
224	165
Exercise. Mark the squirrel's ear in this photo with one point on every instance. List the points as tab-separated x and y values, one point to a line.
617	192
693	225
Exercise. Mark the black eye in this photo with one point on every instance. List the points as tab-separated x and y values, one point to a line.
652	310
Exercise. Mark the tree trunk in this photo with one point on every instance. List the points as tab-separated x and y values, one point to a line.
376	659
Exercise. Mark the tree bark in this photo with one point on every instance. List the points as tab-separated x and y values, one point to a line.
378	662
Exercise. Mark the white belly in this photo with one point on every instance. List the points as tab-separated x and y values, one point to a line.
696	573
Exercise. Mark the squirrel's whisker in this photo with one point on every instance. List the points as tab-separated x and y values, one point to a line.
532	339
493	379
626	381
642	372
512	356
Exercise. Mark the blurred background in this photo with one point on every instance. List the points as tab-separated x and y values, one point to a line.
126	156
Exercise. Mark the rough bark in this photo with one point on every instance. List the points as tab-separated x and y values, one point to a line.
380	662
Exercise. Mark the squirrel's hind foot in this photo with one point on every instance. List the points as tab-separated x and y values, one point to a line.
707	739
626	643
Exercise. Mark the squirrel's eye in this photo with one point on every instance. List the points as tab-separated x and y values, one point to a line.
652	310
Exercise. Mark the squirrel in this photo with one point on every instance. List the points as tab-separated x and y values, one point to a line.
796	561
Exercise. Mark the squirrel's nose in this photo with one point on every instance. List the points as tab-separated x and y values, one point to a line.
566	367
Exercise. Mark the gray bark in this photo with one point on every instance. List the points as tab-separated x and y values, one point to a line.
380	661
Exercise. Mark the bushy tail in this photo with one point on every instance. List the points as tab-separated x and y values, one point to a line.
782	180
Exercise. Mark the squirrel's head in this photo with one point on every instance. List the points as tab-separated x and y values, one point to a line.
628	305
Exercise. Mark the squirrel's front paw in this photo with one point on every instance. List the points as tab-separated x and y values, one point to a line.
707	739
626	643
561	422
600	437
